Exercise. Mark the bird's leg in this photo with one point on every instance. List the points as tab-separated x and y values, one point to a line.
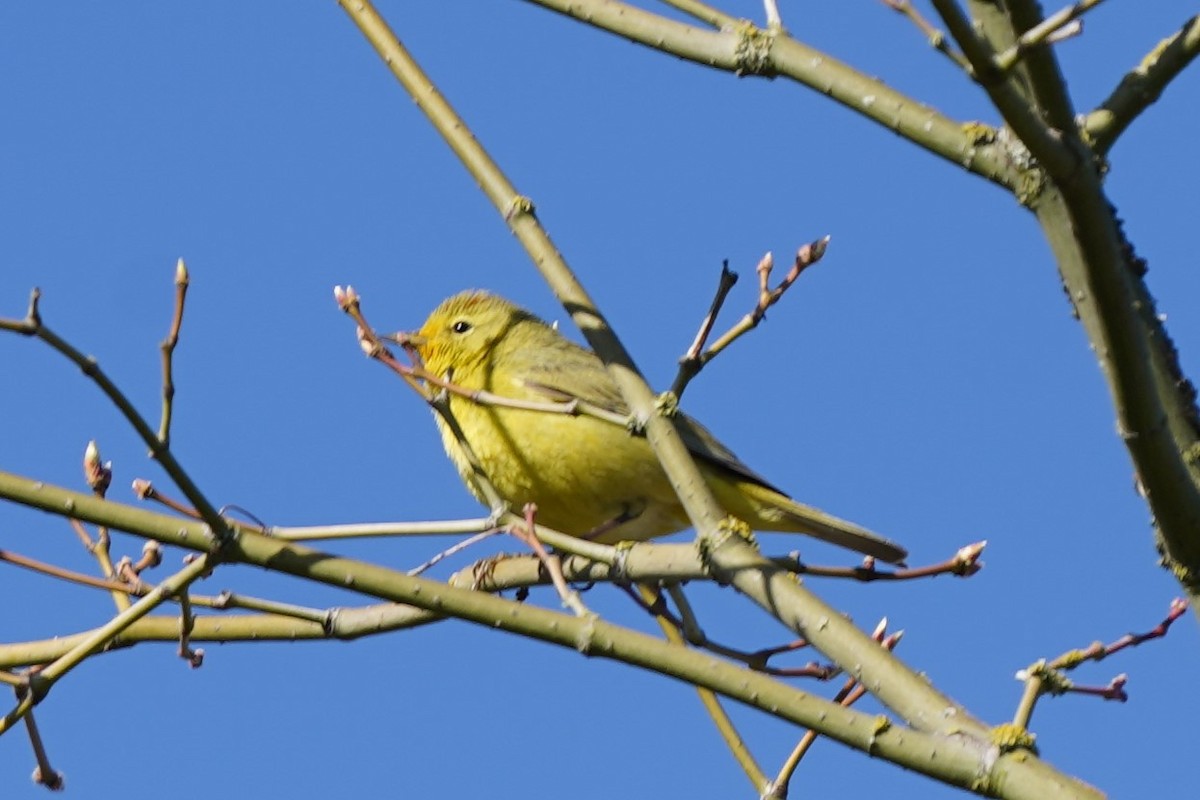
628	514
569	596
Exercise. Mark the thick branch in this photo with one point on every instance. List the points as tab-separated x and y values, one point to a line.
956	759
730	556
1045	77
747	50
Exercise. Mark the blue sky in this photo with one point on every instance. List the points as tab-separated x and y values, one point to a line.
926	379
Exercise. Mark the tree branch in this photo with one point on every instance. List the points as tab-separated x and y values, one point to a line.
724	541
954	758
748	50
1142	86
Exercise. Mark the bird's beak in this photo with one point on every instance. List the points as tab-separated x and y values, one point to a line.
407	338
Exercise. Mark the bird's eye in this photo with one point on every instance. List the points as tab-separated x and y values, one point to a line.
462	326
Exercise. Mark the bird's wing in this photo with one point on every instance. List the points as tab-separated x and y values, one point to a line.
591	383
572	374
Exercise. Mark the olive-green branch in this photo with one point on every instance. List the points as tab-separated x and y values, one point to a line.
954	758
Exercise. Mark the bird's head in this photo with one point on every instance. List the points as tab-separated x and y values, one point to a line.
460	335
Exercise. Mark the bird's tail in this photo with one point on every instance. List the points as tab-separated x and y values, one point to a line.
766	509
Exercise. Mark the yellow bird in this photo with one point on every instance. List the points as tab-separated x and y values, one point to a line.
589	477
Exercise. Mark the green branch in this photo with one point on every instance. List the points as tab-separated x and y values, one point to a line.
1142	86
747	50
729	555
956	759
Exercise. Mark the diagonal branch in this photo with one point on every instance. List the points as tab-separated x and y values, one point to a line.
1154	403
1041	63
957	759
1142	86
724	541
748	50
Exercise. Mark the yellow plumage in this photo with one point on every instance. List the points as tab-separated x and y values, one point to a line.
582	472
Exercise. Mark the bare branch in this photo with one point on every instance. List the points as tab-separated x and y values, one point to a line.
1142	86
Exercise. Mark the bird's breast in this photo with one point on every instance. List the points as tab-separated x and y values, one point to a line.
580	471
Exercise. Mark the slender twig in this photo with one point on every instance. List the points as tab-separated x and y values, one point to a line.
806	256
850	693
1034	677
1052	29
527	534
937	39
84	537
454	549
41	682
560	541
168	350
712	704
110	584
689	627
774	20
145	490
33	325
1049	677
962	564
187	624
1142	86
1097	651
449	527
43	774
98	475
691	363
132	585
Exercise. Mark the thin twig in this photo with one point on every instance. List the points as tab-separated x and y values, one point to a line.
145	490
98	475
689	627
936	37
850	693
1049	678
43	774
34	326
962	564
187	623
806	256
1052	29
109	584
691	363
453	550
527	534
774	20
449	527
1097	651
168	351
712	704
40	683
